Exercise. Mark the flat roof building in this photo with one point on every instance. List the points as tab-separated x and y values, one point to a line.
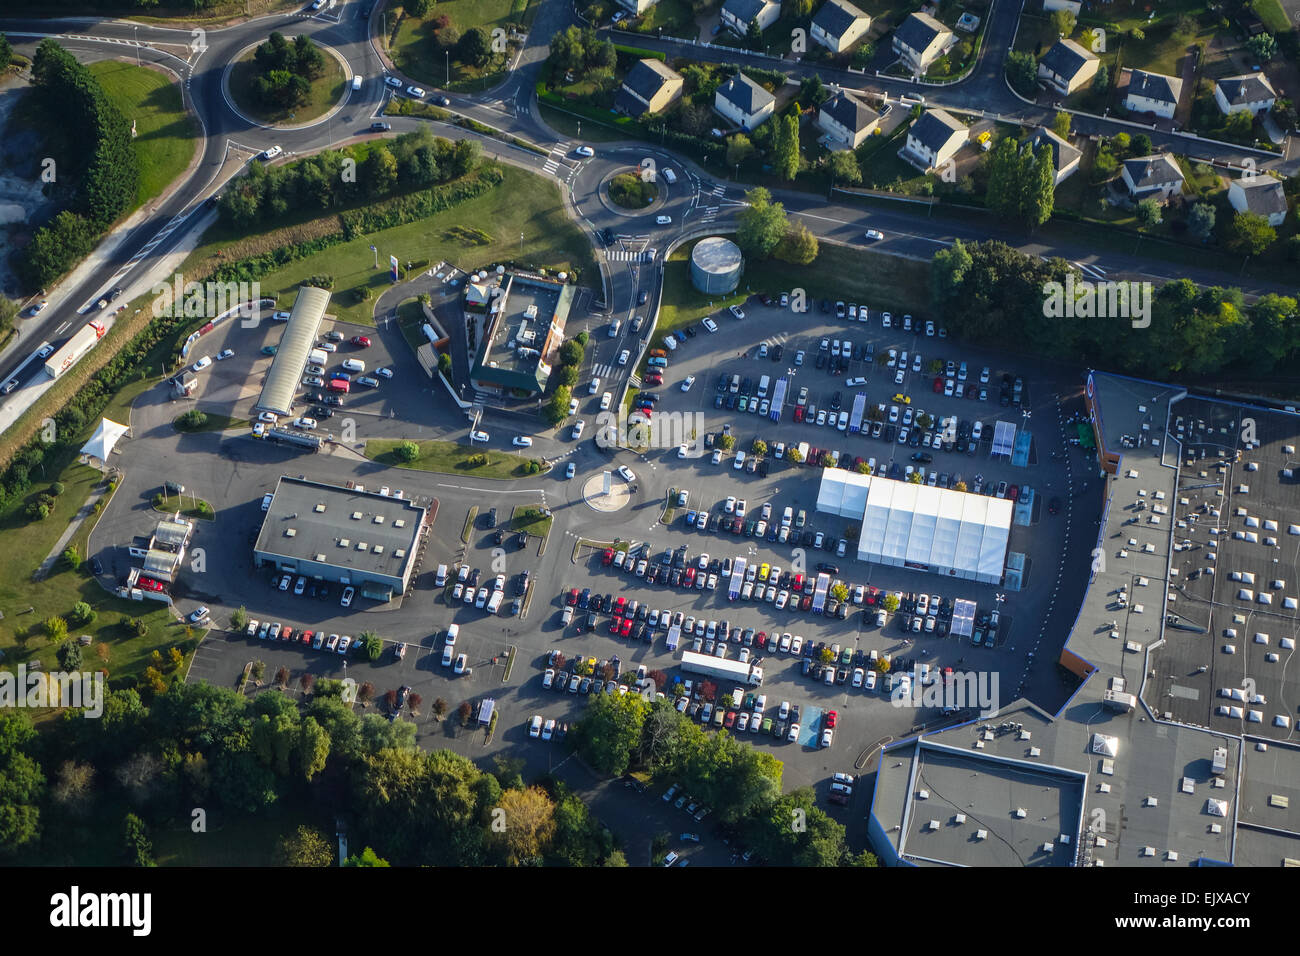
341	535
521	328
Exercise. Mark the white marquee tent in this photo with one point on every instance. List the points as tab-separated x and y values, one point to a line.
953	533
101	443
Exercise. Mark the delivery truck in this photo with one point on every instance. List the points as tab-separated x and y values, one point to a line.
859	408
82	341
721	668
819	594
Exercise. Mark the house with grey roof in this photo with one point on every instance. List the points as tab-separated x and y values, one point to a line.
737	15
1250	91
744	102
1152	93
650	87
920	40
933	140
1156	176
838	25
1065	158
1261	195
637	7
846	120
1067	67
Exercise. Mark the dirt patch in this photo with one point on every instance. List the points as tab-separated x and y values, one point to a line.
22	199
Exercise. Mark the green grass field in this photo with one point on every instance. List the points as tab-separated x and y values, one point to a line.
416	53
449	458
326	91
166	136
523	203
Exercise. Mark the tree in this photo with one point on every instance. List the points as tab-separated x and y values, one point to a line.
1250	234
407	450
1022	71
1101	81
840	591
844	168
1061	122
812	91
306	847
1141	145
439	708
529	823
72	788
557	409
785	147
609	731
239	618
891	602
368	857
69	655
1200	221
799	245
1263	47
1137	33
726	442
571	353
372	643
416	8
794	455
380	171
739	149
6	52
71	558
136	846
759	447
762	224
56	628
1063	22
475	47
754	35
1148	212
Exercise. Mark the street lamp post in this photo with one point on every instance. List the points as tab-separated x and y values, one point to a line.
137	45
446	62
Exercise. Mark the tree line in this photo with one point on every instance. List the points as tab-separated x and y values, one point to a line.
412	161
194	745
106	168
991	293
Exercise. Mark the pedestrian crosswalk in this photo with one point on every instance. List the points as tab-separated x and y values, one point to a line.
710	213
626	255
718	190
553	158
603	371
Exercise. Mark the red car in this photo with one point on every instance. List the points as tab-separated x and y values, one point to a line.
619	605
805	602
307	636
653	380
688	580
572	597
730	720
286	634
761	640
626	629
938	384
798	583
831	717
614	622
798	413
361	341
608	557
1013	492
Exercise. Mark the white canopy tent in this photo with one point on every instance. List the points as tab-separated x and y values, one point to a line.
1004	438
947	532
101	443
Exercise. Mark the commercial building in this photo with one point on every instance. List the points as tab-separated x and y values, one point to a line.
907	525
341	535
519	322
299	338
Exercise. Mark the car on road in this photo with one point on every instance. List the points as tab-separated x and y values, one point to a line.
384	372
874	235
522	441
225	354
415	92
586	151
570	470
663	220
623	356
201	364
687	383
380	127
38	308
393	82
478	436
270	154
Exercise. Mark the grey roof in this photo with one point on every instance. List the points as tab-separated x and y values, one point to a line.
1247	88
836	16
935	128
1152	170
1066	58
745	10
1155	86
1063	154
847	110
299	338
918	31
518	348
330	523
1264	195
648	76
745	94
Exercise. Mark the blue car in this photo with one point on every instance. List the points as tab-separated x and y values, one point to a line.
681	336
657	362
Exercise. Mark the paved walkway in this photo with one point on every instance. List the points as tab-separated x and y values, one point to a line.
73	527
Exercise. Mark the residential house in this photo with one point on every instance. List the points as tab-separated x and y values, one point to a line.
1152	93
846	120
739	14
1051	6
1250	91
933	140
650	87
637	7
744	102
920	40
1260	194
838	25
1067	67
1065	157
1152	176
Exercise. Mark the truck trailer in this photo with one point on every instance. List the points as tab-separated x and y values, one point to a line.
721	668
737	579
778	399
855	417
819	594
82	341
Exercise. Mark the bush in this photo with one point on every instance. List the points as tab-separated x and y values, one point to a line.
632	192
81	614
191	420
56	489
69	654
56	628
321	281
406	451
71	558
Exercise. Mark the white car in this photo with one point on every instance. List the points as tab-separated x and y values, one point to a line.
623	356
739	461
683	450
535	726
626	473
346	599
269	417
663	220
201	364
875	235
327	347
585	151
688	382
710	325
384	372
415	92
522	441
577	430
736	311
225	354
478	436
462	661
606	400
548	730
270	154
259	430
394	82
304	423
730	506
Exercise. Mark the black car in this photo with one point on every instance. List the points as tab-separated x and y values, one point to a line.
821	360
690	331
498	536
492	518
778	352
923	457
380	127
828	568
719	401
642	296
732	401
835	402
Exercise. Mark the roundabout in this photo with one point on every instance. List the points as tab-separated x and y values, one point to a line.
326	93
593	492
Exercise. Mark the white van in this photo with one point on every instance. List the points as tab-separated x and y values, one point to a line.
354	365
762	386
441	578
356	82
494	602
737	697
670	176
318	357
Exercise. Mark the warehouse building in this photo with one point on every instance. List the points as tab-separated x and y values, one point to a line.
341	535
915	526
299	338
